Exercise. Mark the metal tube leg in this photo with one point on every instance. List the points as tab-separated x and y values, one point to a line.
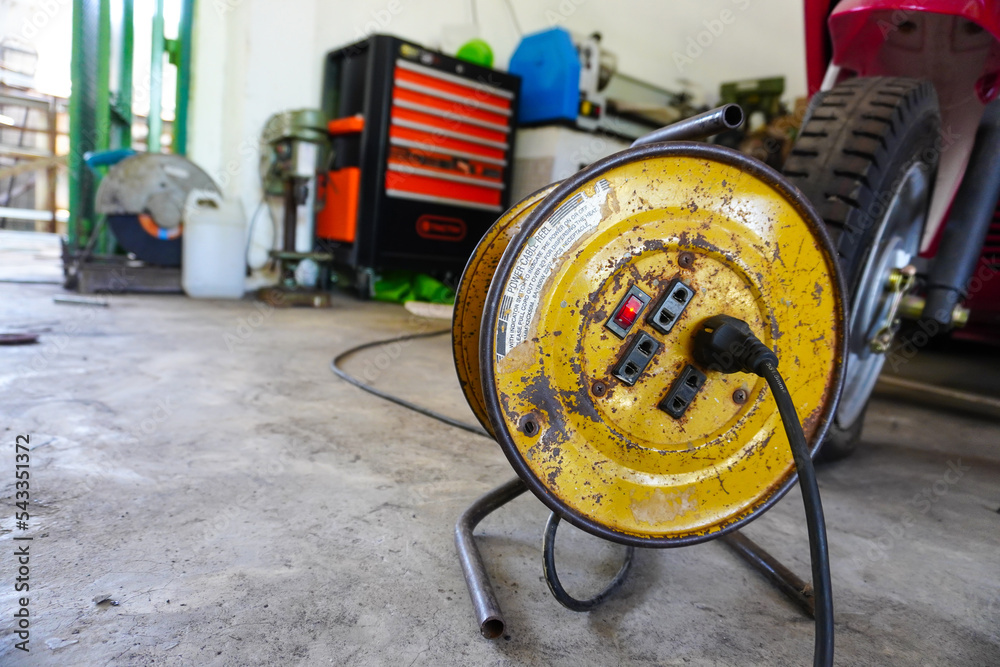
484	600
799	591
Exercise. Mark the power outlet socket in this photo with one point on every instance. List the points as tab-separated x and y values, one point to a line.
637	356
670	307
682	392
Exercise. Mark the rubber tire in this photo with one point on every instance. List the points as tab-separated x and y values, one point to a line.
855	141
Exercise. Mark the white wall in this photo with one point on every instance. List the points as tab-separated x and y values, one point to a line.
256	57
47	27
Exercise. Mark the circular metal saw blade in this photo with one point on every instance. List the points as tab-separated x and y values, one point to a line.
154	184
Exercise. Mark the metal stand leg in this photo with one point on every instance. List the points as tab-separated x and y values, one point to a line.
484	600
797	590
73	271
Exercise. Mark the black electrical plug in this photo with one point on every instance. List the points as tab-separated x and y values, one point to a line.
726	344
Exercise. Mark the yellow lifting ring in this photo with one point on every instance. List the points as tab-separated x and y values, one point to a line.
585	351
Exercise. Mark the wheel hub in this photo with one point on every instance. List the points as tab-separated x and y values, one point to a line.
900	282
886	278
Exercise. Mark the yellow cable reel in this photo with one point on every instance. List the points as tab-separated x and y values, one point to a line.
573	340
471	296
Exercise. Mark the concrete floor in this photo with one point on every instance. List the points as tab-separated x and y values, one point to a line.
197	462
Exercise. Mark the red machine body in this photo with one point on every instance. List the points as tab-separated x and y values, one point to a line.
955	44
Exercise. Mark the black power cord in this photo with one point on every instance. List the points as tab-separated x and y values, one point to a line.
344	375
552	576
727	344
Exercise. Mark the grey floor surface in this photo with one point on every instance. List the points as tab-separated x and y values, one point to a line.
197	463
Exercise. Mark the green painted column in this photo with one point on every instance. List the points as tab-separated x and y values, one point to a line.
82	123
102	72
122	128
103	115
185	36
155	121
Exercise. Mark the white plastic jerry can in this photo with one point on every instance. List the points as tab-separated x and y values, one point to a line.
213	263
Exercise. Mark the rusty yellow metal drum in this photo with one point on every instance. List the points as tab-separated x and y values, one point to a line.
606	453
471	295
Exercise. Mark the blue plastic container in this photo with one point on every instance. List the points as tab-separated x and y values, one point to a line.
549	68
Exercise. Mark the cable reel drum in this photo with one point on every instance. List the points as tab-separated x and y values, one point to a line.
686	231
574	330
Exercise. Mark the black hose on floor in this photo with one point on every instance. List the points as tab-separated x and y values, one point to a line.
427	412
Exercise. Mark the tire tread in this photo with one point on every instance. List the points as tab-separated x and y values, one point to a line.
855	139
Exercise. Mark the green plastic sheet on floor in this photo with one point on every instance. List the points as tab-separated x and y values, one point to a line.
403	286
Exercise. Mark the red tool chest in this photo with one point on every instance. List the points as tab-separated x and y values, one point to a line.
422	154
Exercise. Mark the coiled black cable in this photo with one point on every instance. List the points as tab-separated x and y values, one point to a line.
552	575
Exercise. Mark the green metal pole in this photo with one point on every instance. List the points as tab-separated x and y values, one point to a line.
123	98
103	72
82	127
103	116
75	158
156	82
185	37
